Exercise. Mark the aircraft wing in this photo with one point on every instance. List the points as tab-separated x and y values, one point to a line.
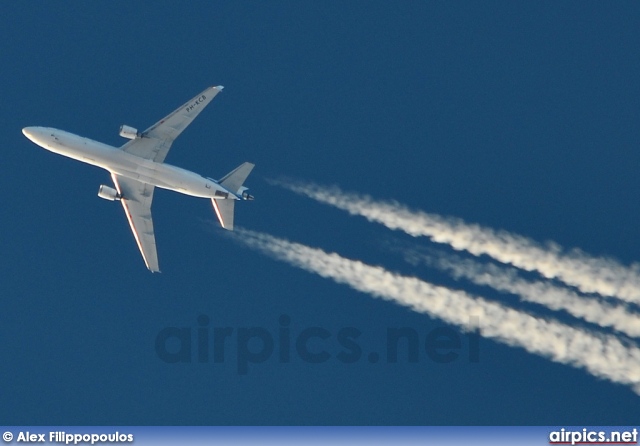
136	201
157	139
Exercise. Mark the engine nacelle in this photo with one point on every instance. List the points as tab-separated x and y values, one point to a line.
244	193
108	193
129	132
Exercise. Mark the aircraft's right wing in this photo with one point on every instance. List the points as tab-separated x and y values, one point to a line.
157	139
136	200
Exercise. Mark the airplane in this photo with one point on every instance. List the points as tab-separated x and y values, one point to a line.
138	167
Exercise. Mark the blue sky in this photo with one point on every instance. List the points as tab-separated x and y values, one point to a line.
519	116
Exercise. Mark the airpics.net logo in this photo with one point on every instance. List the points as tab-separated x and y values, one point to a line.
206	343
590	436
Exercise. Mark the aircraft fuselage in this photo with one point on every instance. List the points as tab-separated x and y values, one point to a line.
122	163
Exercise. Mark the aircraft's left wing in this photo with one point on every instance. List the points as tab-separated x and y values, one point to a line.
157	139
136	200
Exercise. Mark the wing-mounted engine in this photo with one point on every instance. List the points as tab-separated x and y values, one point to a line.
129	132
108	193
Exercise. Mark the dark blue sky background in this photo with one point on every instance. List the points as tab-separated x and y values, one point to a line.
515	115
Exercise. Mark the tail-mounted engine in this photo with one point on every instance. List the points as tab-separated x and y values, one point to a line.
108	193
129	132
244	193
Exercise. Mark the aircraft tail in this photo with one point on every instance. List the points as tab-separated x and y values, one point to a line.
233	183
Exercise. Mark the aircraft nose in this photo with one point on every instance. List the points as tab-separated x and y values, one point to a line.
28	132
35	134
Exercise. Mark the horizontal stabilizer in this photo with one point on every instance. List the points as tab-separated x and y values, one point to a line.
224	211
233	180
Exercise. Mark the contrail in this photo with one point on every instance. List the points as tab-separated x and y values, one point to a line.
590	275
506	280
602	356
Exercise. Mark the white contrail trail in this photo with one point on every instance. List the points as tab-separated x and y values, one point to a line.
590	275
603	356
506	280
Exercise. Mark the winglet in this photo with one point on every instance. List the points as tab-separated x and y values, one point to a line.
220	87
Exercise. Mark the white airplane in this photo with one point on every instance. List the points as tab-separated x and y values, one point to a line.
137	167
